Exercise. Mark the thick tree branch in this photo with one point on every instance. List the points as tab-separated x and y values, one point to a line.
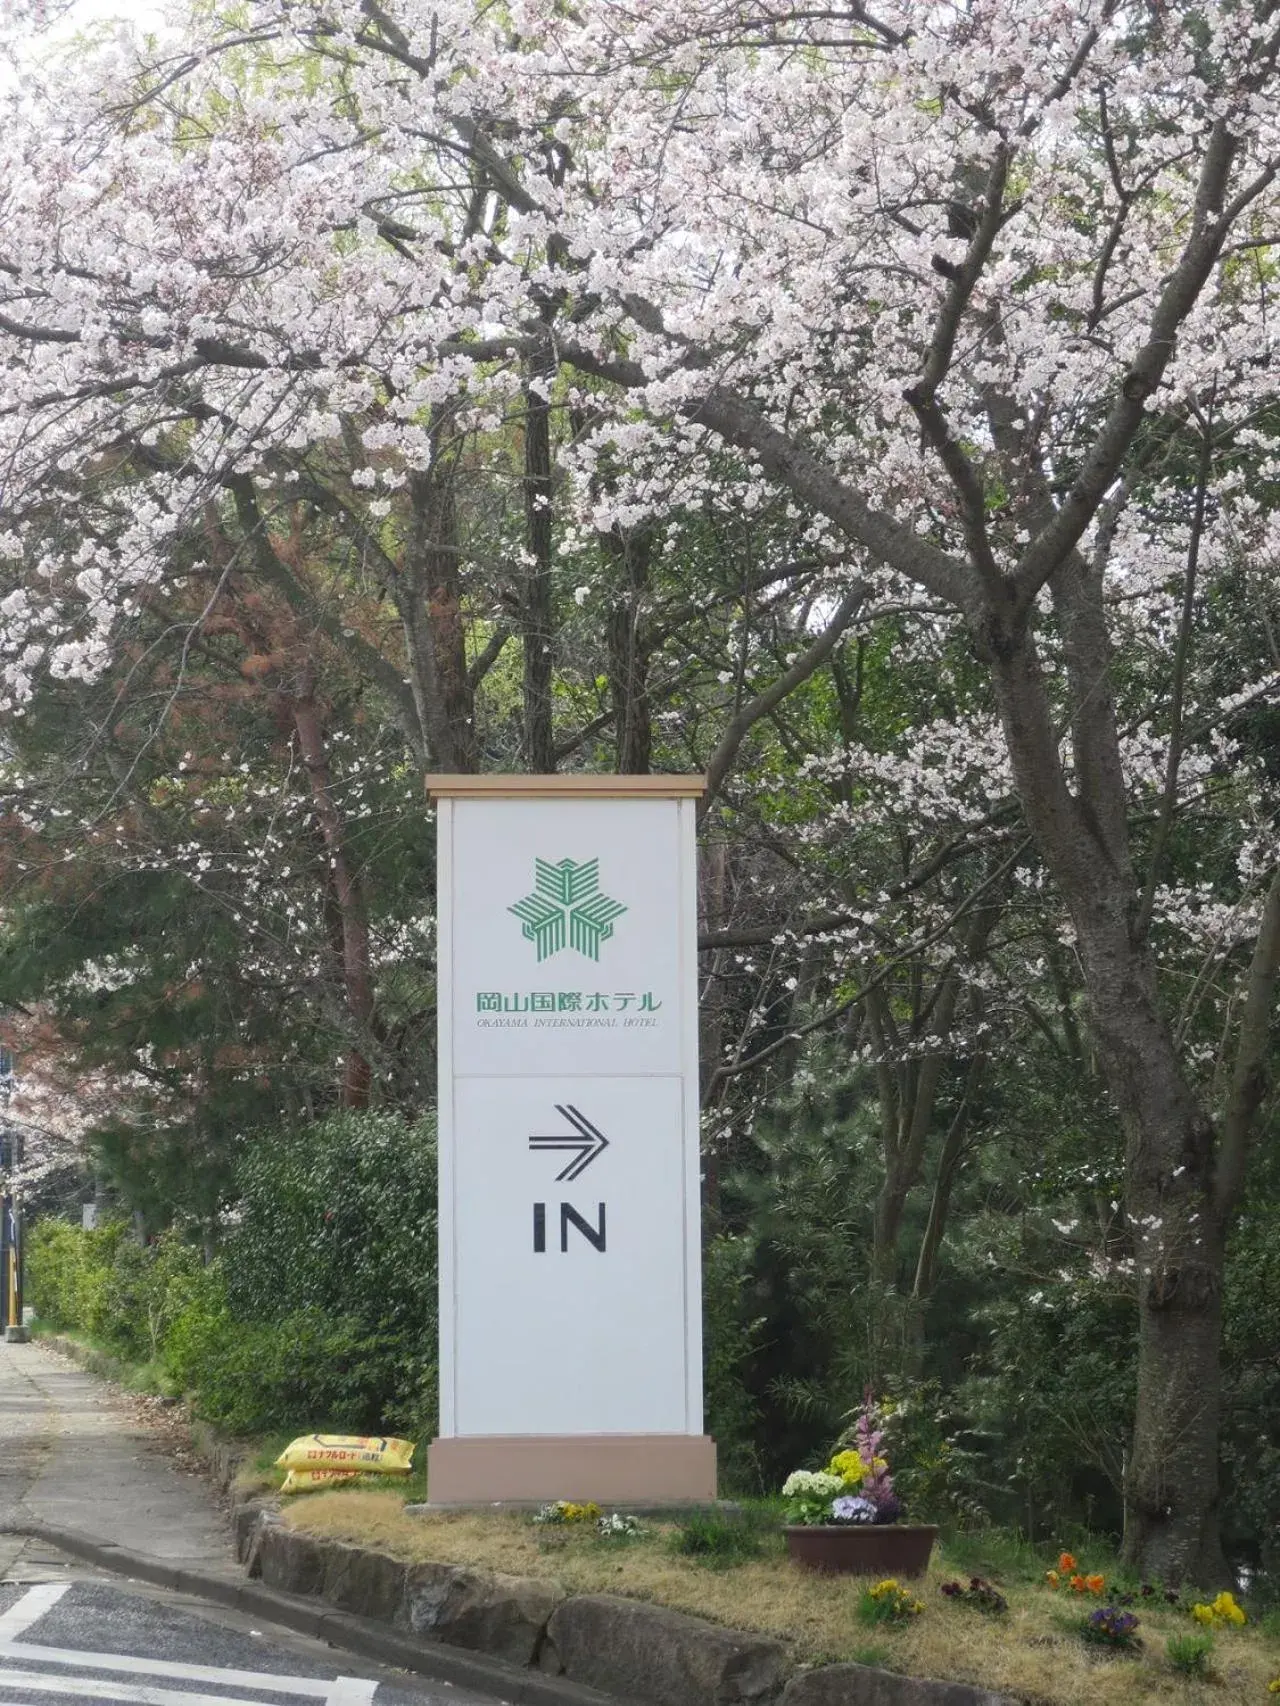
806	664
37	334
485	659
1210	227
741	424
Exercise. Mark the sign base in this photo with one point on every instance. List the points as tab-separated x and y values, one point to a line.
537	1469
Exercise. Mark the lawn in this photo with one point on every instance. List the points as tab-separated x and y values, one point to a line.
1031	1652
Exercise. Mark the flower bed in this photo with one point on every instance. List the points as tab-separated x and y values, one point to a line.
1033	1649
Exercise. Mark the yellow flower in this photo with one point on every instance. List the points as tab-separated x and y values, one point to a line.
1225	1608
569	1512
1274	1687
849	1467
889	1585
1053	1578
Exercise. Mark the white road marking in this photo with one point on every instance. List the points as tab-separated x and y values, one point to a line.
89	1686
30	1608
351	1691
317	1687
335	1691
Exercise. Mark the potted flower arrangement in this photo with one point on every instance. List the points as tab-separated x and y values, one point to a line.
847	1517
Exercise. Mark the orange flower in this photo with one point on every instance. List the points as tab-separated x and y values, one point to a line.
1054	1580
1095	1584
1066	1563
1077	1584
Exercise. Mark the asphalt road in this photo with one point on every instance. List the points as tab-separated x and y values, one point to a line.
95	1640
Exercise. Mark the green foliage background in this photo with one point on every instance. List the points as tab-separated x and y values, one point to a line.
317	1313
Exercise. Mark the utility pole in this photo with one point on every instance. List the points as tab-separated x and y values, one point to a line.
11	1234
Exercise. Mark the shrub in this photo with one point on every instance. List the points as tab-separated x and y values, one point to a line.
1190	1654
145	1289
305	1371
335	1251
69	1273
716	1540
339	1217
731	1339
320	1312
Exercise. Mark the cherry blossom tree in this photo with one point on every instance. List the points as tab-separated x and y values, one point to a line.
977	294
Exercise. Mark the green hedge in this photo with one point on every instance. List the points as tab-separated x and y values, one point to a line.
319	1311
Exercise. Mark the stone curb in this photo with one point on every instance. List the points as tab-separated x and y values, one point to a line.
360	1635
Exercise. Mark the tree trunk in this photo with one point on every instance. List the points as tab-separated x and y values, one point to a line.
1171	1482
713	894
539	744
1171	1486
952	1153
428	596
348	895
628	652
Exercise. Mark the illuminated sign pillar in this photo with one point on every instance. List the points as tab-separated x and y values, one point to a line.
570	1248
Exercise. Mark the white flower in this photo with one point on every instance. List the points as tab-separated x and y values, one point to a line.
616	1523
811	1484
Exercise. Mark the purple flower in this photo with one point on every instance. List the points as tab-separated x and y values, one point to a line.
868	1439
888	1508
1111	1626
851	1507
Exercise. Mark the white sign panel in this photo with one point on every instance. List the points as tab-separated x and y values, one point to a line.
570	1257
567	937
570	1253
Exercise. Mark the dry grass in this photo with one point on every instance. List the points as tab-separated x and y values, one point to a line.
1026	1654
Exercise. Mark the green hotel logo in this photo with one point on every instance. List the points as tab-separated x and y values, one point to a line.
566	906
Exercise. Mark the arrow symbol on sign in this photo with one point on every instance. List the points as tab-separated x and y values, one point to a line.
585	1140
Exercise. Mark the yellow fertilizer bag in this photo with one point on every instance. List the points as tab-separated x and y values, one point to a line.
351	1452
315	1480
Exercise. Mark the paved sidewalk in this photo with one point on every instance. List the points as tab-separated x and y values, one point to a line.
72	1456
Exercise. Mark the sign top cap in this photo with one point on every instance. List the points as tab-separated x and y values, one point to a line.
575	785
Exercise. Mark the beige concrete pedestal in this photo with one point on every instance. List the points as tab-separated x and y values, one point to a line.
612	1469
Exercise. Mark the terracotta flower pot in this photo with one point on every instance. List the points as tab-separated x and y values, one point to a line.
862	1548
